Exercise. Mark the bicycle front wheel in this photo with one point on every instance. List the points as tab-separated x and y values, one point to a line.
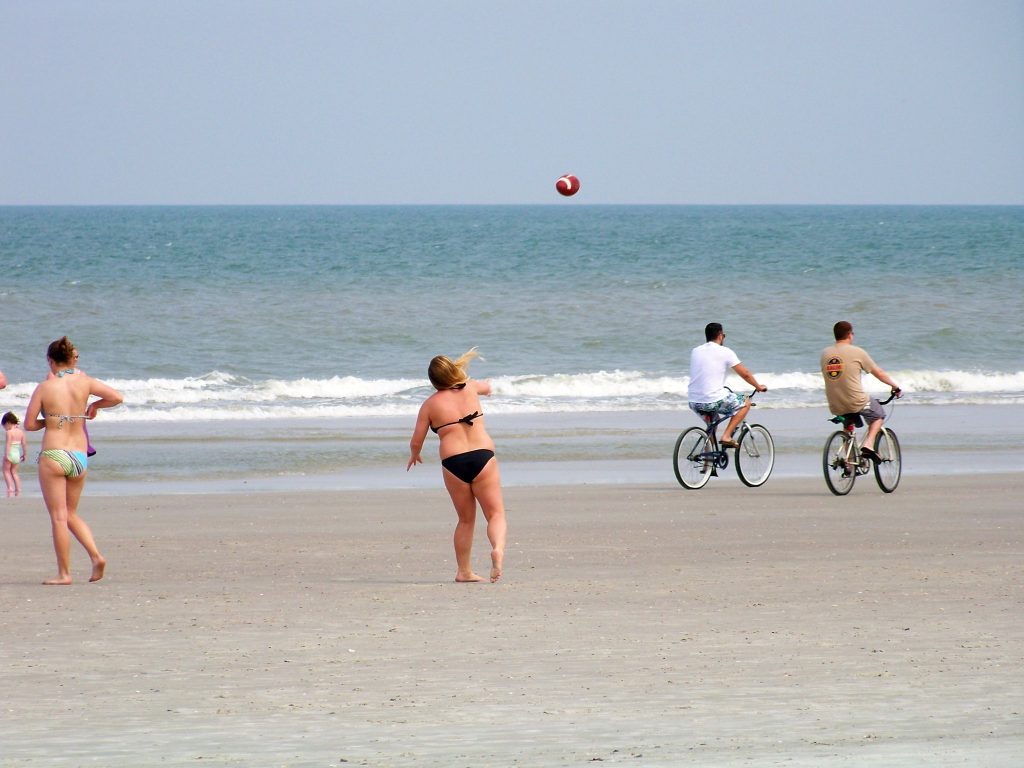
888	470
840	468
755	456
692	470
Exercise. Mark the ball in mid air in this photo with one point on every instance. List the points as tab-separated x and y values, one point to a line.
567	185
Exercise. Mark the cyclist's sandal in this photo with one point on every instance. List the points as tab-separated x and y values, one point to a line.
870	454
729	444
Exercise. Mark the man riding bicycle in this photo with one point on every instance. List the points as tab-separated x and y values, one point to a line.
709	365
842	365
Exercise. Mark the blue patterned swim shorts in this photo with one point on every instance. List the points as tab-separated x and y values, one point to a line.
727	406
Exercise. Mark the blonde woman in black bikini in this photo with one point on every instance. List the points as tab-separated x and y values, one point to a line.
60	405
467	456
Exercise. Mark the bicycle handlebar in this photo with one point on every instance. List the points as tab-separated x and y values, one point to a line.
894	394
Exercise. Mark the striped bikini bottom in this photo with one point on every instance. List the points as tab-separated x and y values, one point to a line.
74	463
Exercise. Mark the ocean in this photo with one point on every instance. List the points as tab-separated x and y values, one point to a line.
291	343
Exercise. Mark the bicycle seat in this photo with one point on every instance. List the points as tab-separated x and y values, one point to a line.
847	419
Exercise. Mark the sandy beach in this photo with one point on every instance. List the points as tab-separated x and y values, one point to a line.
642	625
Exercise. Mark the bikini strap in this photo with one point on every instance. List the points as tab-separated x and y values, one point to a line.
61	418
467	420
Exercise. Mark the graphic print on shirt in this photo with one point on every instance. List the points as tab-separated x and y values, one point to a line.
834	367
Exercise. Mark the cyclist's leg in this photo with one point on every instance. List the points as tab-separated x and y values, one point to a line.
874	427
734	401
874	414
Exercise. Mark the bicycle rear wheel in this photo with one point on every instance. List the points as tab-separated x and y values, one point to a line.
755	455
692	471
840	471
889	469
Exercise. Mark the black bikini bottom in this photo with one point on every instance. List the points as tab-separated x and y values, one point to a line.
466	466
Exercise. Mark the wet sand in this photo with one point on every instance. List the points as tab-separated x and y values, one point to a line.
640	625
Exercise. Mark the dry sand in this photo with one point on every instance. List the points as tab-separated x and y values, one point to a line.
635	625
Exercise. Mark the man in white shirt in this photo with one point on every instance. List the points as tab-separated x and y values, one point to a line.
709	365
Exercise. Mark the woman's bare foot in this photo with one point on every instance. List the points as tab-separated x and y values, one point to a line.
97	569
496	559
58	582
467	577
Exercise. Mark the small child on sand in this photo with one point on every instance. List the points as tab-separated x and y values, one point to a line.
14	453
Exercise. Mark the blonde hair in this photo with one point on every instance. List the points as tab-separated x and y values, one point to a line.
445	373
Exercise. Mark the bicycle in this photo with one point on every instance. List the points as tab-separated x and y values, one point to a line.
843	463
698	456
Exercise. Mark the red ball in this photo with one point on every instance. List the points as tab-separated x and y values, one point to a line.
568	185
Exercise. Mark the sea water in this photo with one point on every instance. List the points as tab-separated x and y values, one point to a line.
255	342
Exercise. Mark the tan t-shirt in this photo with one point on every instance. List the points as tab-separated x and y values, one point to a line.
842	366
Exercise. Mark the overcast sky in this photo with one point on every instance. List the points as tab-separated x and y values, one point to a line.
470	101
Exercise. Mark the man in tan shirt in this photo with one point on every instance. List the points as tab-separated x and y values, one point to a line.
842	366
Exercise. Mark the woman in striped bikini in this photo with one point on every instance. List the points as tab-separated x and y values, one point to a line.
60	405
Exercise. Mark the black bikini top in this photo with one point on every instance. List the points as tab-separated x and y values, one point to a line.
467	420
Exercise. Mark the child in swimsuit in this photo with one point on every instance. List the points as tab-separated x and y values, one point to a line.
14	453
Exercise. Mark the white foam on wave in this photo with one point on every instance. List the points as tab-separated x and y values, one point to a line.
222	396
247	412
589	385
960	381
631	383
218	388
339	387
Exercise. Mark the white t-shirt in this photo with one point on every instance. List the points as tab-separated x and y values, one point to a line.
710	363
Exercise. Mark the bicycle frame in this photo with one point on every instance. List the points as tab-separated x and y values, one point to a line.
717	456
851	449
714	454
